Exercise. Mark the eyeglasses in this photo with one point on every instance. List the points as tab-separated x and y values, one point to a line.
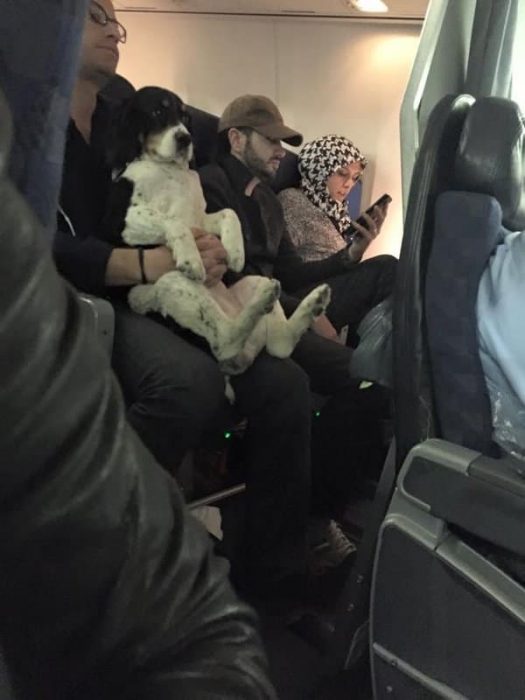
355	177
99	15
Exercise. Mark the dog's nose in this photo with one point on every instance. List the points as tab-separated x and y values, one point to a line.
183	140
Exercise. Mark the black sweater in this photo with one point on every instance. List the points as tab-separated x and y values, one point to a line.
268	248
81	254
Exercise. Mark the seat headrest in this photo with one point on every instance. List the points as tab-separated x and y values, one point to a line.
288	173
6	133
491	157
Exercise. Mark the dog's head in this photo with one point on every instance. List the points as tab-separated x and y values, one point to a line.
152	124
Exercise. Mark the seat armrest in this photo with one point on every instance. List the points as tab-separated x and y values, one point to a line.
479	494
102	318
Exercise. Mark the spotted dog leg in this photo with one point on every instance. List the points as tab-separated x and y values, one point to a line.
193	306
145	226
181	242
283	334
226	225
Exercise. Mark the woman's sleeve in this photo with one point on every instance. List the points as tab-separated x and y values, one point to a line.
291	200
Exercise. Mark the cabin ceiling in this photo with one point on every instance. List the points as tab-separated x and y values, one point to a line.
398	9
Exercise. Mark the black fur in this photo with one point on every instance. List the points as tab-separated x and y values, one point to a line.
149	111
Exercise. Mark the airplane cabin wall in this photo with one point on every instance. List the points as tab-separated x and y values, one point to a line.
327	76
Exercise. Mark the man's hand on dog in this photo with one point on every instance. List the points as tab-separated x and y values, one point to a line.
213	255
159	260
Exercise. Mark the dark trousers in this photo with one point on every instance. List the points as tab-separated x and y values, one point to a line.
175	392
358	290
347	433
347	430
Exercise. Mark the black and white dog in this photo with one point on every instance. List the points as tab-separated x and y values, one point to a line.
156	200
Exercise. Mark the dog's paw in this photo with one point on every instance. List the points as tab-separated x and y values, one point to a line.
232	240
317	301
269	293
143	298
192	269
236	259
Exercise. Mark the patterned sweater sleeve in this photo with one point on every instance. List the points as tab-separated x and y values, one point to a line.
310	229
296	221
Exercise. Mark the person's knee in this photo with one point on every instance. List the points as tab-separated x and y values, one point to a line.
387	264
190	387
386	268
294	383
289	385
272	381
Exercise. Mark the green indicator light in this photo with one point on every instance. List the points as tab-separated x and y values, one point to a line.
317	414
227	435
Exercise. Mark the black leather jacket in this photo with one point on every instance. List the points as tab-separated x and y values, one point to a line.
108	589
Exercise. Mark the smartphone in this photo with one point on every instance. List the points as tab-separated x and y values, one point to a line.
352	231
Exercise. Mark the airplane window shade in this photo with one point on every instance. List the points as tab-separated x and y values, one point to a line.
518	60
490	57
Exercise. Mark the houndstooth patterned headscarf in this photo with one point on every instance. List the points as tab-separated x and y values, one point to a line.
320	158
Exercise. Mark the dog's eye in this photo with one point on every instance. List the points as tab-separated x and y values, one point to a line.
162	107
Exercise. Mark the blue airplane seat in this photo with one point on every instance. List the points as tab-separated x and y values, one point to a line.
454	528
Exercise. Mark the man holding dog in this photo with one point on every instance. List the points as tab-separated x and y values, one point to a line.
251	130
173	390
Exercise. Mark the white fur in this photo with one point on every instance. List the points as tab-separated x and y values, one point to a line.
239	321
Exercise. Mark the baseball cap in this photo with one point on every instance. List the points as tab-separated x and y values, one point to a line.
261	114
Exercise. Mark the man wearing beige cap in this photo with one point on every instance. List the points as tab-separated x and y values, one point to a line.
251	130
262	115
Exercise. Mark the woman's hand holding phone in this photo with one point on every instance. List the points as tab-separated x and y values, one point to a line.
367	228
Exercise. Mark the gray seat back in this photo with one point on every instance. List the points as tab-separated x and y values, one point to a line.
467	226
414	417
454	529
489	173
414	414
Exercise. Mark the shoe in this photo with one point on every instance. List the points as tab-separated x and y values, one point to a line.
329	546
314	628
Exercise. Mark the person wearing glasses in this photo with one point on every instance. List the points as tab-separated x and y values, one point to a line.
174	390
316	213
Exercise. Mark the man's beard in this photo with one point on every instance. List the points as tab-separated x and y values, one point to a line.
257	165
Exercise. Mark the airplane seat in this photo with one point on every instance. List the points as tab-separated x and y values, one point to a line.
447	608
412	397
203	128
101	317
288	173
431	176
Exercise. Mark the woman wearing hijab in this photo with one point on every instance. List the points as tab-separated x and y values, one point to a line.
317	220
316	214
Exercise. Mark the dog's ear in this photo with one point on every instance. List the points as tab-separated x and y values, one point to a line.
126	135
187	118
